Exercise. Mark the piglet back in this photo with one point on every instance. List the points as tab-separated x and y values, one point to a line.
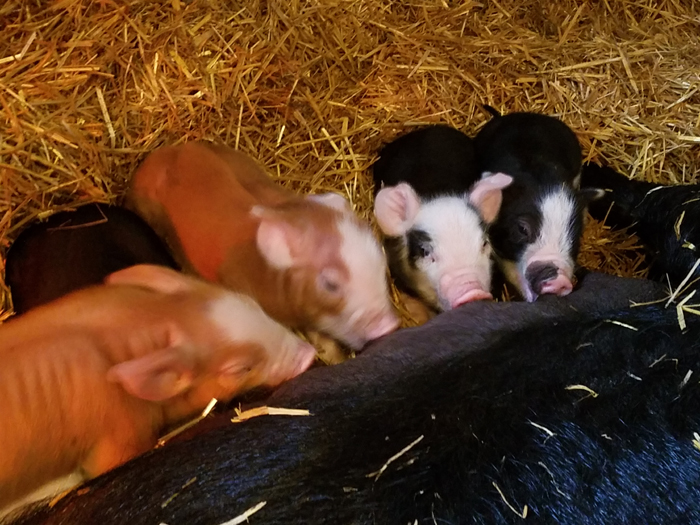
435	160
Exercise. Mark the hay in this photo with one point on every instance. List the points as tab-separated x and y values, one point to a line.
313	88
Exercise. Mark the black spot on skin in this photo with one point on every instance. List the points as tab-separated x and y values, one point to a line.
419	245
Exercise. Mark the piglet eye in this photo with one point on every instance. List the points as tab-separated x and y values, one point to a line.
425	251
524	229
329	281
486	245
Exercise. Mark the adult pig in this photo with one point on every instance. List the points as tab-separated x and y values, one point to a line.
90	380
75	249
309	261
665	218
579	410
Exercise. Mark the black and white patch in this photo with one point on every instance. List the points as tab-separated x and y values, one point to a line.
536	236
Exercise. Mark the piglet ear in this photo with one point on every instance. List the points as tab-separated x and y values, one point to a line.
587	195
332	200
157	376
153	277
395	208
487	194
274	238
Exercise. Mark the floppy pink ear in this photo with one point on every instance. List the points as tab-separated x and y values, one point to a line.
332	200
395	208
156	376
275	238
158	278
487	194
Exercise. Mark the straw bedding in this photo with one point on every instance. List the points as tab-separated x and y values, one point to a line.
312	89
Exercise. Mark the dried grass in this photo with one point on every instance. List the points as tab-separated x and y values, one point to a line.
313	88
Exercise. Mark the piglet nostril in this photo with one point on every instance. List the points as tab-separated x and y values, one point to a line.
537	274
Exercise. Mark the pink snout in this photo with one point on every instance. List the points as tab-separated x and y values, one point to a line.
561	286
303	359
282	368
382	325
463	291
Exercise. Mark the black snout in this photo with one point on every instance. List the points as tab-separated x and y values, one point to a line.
539	273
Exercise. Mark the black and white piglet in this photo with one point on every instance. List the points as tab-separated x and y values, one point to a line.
536	236
666	218
75	249
434	210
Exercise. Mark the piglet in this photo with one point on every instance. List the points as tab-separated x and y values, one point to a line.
75	249
309	261
434	210
536	236
90	380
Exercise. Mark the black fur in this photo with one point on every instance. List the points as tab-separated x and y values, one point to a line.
435	160
541	153
74	249
652	211
418	244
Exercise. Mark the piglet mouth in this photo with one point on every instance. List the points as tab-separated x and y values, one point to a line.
465	292
471	296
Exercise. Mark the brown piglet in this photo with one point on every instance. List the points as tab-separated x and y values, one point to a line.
91	380
308	260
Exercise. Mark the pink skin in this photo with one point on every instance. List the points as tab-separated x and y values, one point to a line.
382	325
303	358
561	285
460	288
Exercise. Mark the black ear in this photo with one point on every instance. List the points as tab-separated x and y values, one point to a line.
587	195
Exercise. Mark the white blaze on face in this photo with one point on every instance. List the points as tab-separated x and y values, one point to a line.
459	261
554	241
368	312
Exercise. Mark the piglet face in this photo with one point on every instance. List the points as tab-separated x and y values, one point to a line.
537	240
357	283
334	271
438	247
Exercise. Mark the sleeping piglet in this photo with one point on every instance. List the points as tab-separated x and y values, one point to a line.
308	261
90	380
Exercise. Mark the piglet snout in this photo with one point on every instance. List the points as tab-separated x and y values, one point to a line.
546	278
381	325
304	358
473	293
459	289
